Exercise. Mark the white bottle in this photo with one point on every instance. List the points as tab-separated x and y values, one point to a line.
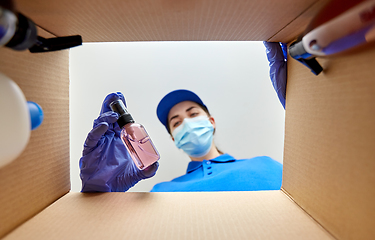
15	124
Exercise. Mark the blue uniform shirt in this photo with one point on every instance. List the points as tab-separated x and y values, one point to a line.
225	173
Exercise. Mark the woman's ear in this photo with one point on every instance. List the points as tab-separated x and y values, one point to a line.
212	120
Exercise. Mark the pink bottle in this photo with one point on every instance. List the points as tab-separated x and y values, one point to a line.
135	138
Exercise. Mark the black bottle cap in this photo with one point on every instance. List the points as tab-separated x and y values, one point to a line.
125	117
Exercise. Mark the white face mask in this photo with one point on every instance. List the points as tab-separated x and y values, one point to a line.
194	136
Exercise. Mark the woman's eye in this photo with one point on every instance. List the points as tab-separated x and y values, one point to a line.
176	124
193	114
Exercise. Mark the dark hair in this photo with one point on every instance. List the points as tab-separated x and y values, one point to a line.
208	113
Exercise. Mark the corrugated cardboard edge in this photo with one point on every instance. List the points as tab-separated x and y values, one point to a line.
176	215
44	32
292	199
40	175
329	142
298	24
165	20
33	216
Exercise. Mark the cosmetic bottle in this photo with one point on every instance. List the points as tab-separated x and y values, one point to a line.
135	138
18	118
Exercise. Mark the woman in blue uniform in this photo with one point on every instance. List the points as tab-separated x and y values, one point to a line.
191	126
107	167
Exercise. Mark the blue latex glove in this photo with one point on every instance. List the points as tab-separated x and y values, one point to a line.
106	165
277	57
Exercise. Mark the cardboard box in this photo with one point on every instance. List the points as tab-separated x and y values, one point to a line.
329	157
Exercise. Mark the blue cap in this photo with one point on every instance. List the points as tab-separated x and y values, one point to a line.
36	114
172	99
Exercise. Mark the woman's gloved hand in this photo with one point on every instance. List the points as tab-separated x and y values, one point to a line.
106	165
277	57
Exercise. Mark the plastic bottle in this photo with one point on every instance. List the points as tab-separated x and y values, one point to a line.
8	26
18	118
135	138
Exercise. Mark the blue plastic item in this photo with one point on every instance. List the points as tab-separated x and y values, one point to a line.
106	165
172	99
338	27
277	57
36	114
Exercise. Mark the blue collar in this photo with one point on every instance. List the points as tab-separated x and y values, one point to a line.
194	165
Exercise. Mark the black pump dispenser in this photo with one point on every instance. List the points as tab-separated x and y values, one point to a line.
125	117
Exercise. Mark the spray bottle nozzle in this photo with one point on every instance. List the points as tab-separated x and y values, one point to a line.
119	107
298	52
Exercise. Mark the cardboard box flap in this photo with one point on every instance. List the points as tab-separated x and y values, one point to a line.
167	20
329	151
215	215
41	174
298	25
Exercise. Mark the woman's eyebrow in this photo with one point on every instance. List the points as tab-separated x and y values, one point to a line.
187	110
176	116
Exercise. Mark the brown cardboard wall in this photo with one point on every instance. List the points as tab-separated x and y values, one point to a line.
299	24
329	156
200	215
41	174
170	20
